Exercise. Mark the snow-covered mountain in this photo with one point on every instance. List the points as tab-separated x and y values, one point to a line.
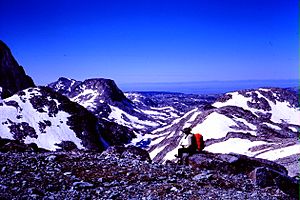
104	99
139	111
12	76
47	118
262	123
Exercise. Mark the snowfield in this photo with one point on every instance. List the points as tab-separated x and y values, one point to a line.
235	145
118	116
214	126
281	152
23	111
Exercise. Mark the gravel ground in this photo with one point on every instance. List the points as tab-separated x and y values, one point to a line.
88	175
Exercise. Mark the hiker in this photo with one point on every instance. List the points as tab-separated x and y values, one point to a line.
191	144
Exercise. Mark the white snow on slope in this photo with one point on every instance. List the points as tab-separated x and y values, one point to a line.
168	109
87	99
280	111
170	155
272	126
71	85
156	151
156	141
294	129
234	145
117	115
280	153
214	126
251	126
236	100
57	132
134	96
175	121
153	112
159	115
192	119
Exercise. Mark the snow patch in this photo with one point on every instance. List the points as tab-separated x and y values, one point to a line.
215	126
235	145
156	151
281	153
272	126
117	115
58	131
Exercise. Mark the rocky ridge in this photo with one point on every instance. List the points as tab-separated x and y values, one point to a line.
13	77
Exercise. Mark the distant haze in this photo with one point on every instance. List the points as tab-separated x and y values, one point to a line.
208	87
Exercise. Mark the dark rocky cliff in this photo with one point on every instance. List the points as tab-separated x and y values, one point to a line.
12	76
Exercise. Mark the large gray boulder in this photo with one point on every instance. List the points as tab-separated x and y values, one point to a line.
232	163
266	177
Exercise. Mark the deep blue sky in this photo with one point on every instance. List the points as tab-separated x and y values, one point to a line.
153	41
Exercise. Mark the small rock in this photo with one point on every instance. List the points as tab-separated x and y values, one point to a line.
67	173
174	189
81	185
17	172
100	180
3	187
3	169
35	191
51	158
204	175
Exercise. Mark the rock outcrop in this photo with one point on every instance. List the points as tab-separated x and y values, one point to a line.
262	173
12	76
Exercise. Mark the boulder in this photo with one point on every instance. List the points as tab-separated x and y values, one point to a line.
266	177
232	163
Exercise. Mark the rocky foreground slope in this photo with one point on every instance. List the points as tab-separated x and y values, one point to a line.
128	173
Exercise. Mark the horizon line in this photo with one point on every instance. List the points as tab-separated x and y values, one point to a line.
184	82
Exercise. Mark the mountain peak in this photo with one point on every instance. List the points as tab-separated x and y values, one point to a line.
13	77
107	87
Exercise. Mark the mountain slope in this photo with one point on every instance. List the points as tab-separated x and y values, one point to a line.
12	75
41	116
103	98
262	123
141	112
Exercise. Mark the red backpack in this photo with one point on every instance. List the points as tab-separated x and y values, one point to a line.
199	141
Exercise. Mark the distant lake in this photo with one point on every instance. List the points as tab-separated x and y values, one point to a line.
207	87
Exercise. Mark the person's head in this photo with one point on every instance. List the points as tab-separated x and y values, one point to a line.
187	131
